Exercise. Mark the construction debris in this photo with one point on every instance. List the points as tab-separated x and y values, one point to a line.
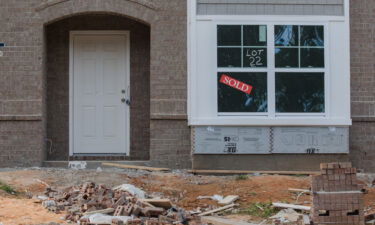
306	220
212	220
296	190
164	203
213	197
217	210
98	204
370	216
287	216
290	206
131	189
147	168
229	199
337	196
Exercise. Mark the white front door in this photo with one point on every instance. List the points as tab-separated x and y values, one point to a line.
100	91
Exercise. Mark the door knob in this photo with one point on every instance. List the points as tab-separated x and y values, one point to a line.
123	100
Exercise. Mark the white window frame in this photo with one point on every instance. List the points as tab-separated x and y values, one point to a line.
202	105
271	71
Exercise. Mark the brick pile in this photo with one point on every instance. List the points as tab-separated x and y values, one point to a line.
89	198
338	198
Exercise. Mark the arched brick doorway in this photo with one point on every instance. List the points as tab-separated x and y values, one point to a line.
58	104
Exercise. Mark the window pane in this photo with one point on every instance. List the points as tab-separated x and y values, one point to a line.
299	92
286	57
312	36
254	57
233	100
286	35
229	57
312	57
229	35
255	35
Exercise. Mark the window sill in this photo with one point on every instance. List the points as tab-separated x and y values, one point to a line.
246	121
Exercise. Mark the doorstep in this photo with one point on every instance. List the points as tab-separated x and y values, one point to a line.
88	164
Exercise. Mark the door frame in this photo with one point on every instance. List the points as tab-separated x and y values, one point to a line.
72	34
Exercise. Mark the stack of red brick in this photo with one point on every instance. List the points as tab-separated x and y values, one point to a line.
337	196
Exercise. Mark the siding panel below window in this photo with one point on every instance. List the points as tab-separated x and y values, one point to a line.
271	7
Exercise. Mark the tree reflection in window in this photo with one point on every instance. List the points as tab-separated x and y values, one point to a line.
299	46
300	92
286	35
312	36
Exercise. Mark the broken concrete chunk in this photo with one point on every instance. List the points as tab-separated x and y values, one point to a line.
152	211
48	203
103	211
131	189
164	203
286	216
105	219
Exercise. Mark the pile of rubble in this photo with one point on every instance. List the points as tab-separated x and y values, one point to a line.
97	204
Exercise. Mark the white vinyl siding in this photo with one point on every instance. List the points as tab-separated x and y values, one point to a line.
270	7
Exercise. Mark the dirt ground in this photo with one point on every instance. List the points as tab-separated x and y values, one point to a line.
182	188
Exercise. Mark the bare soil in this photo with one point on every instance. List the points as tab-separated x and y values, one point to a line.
182	188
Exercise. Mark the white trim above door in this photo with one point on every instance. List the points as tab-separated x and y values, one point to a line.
99	92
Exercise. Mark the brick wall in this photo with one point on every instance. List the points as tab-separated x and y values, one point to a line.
170	144
21	86
170	135
362	133
57	35
22	75
21	143
25	84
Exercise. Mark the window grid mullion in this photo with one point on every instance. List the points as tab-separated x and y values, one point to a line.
241	46
271	92
299	46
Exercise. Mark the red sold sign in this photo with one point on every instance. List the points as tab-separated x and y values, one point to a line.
231	82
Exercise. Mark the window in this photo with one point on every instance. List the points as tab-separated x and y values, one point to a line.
242	46
299	92
292	77
235	100
299	46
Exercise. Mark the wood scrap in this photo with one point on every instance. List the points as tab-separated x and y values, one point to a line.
164	203
124	166
229	200
102	211
42	182
291	206
217	210
234	172
222	221
305	191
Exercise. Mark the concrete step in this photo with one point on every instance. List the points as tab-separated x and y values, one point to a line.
89	164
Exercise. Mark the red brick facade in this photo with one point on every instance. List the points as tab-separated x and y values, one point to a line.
31	111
